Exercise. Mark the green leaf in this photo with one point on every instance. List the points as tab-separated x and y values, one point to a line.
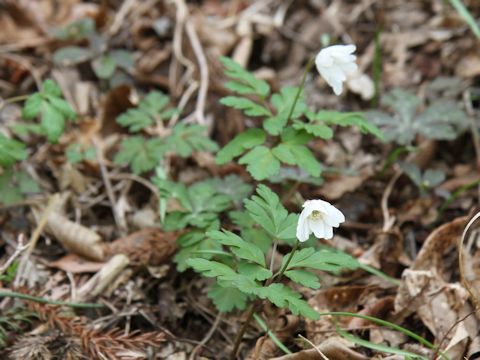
315	129
249	107
194	244
104	66
122	58
254	271
239	144
227	298
13	185
62	106
292	151
267	211
261	163
71	55
283	103
442	120
232	186
344	119
54	111
284	297
185	139
53	122
49	87
211	268
326	260
150	109
135	120
32	106
246	82
142	155
238	246
77	30
304	278
11	151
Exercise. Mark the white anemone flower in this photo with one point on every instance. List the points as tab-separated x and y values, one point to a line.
319	217
335	63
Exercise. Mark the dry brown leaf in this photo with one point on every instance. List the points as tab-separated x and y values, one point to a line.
334	349
147	247
76	264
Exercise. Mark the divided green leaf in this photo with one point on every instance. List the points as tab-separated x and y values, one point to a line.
185	139
261	163
11	151
142	155
53	110
150	110
266	209
243	141
325	260
245	82
238	246
283	103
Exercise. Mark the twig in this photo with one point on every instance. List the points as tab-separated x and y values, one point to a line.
463	278
34	238
322	355
207	336
471	117
18	250
202	63
388	220
121	15
108	185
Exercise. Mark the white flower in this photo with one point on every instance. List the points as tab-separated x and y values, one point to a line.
319	217
334	63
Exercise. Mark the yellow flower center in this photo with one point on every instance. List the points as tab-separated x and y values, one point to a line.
316	215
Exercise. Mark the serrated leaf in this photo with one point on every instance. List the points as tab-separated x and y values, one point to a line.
254	271
62	106
284	297
441	120
194	244
53	122
244	141
11	151
249	107
32	106
104	66
304	278
261	163
122	58
267	211
251	85
292	151
210	268
185	139
325	260
227	298
135	120
344	119
283	103
238	246
315	129
71	55
232	186
142	155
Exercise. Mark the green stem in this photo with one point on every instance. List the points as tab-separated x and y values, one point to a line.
290	257
270	333
12	100
239	337
300	88
393	326
13	294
